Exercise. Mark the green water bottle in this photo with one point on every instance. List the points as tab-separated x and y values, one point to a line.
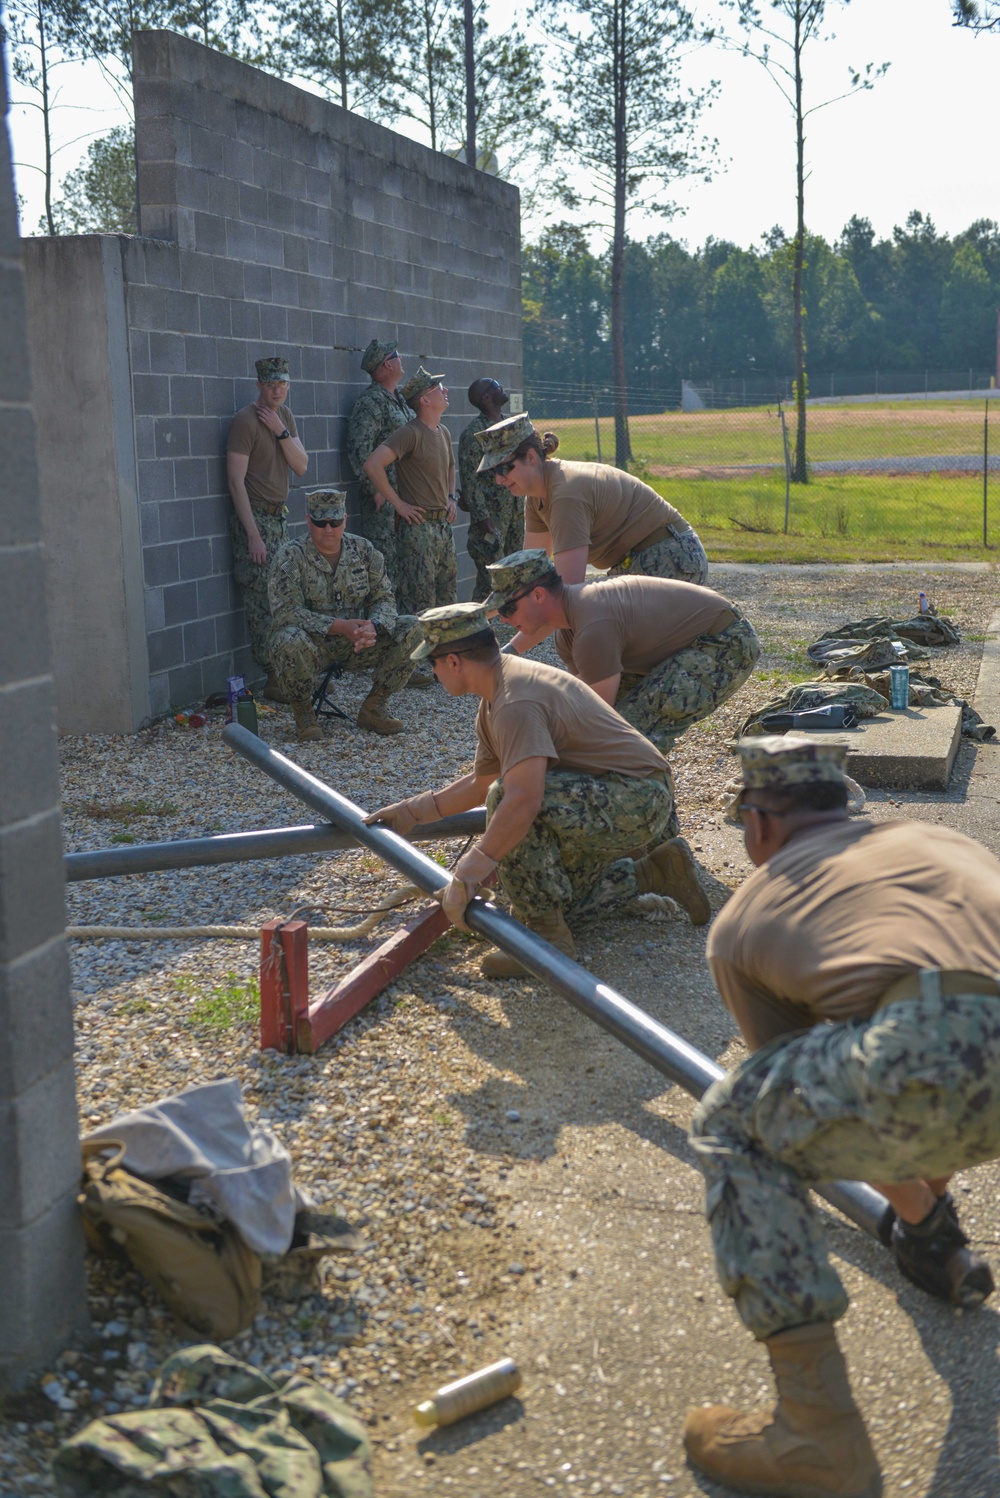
246	710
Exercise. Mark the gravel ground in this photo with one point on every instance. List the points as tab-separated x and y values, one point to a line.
425	1118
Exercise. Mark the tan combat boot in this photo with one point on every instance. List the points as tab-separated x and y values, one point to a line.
374	717
670	870
552	927
306	727
812	1444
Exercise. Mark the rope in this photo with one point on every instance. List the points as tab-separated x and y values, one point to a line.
389	902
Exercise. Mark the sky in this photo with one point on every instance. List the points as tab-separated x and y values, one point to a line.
924	137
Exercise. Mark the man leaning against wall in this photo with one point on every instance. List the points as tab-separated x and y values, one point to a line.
263	444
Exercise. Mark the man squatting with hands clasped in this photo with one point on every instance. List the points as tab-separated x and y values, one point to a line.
662	653
496	518
860	962
378	412
426	569
571	790
262	445
332	605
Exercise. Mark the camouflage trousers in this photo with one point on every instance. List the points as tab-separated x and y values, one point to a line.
689	684
426	569
682	557
252	580
572	858
379	527
298	658
912	1093
507	537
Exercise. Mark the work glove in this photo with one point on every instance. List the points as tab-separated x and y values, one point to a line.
403	816
472	870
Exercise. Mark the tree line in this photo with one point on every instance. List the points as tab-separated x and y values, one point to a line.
918	299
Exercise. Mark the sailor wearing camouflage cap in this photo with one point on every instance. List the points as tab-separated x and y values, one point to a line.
378	411
262	445
571	790
589	512
664	653
860	963
332	605
422	497
496	518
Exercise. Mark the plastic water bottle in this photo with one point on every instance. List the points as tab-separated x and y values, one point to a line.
466	1395
922	603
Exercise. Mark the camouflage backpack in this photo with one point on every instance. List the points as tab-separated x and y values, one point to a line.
202	1269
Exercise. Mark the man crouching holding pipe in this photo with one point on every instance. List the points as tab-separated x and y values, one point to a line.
571	790
861	963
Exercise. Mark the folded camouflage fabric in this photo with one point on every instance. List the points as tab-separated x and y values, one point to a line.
869	655
922	629
929	691
218	1428
867	703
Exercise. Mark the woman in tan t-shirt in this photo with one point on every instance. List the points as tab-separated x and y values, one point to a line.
589	512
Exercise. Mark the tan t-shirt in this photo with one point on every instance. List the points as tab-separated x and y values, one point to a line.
422	475
267	471
539	710
633	623
842	911
592	505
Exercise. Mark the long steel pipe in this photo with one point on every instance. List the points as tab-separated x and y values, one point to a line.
243	847
672	1056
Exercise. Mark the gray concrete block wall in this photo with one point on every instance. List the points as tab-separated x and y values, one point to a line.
276	222
42	1290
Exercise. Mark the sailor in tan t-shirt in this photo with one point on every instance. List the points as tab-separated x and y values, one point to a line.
860	962
663	653
261	447
570	789
589	512
426	569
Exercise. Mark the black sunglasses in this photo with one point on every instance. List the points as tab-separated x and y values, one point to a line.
321	525
501	470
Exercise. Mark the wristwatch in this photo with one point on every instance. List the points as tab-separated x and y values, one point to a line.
283	435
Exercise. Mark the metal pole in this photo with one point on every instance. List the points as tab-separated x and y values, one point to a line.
788	464
986	461
244	847
597	427
672	1056
470	85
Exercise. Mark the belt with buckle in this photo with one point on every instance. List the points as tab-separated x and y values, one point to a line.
953	981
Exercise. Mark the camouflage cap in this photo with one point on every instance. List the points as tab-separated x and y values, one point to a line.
774	762
448	625
418	383
501	441
271	370
376	353
522	569
326	504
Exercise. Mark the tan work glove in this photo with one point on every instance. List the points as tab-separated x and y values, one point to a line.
472	870
403	816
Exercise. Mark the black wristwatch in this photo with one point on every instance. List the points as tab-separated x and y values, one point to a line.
283	435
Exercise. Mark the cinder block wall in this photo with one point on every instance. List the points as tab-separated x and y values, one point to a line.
42	1291
275	222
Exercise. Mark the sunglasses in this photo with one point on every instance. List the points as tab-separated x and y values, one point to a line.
506	609
321	525
501	470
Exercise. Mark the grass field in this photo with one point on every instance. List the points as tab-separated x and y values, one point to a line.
751	435
698	461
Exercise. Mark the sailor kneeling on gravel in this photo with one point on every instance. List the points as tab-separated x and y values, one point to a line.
860	963
570	789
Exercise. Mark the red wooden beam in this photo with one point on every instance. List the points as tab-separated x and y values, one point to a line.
331	1011
284	982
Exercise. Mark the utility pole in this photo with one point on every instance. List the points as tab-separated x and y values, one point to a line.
470	86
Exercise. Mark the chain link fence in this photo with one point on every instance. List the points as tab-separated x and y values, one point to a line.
915	468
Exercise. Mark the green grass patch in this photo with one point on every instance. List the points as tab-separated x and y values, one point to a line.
836	518
233	1002
752	434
